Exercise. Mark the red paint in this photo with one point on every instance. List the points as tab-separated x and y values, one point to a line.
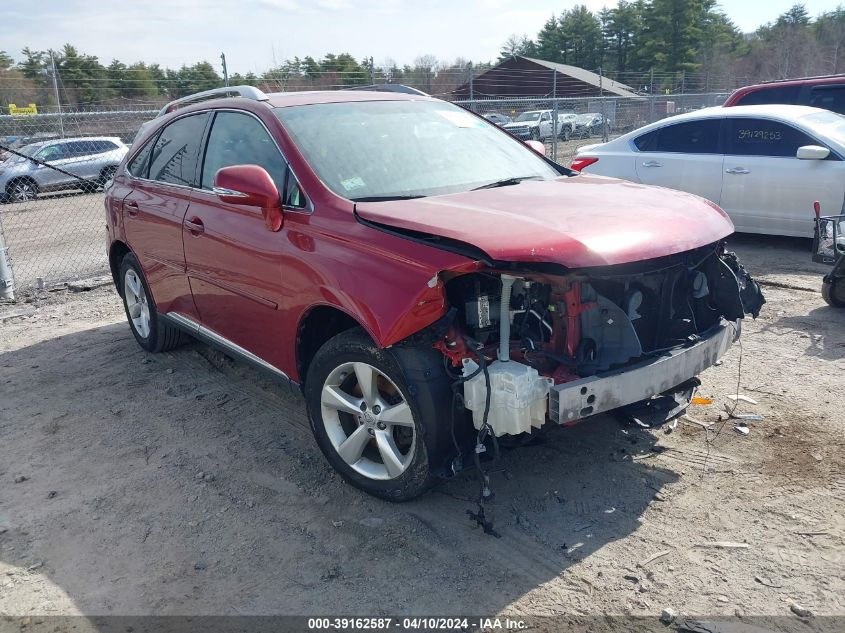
578	222
255	282
454	347
574	308
252	186
802	97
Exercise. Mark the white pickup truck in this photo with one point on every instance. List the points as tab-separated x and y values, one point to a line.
537	125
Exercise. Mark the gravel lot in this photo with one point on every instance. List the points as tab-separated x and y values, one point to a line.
56	237
185	483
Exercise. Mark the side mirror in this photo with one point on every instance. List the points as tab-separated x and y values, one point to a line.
537	146
812	152
250	185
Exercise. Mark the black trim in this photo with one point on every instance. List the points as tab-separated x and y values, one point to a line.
429	239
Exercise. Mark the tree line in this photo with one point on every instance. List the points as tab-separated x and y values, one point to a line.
636	40
82	80
648	44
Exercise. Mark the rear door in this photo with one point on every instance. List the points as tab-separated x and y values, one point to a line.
164	173
683	156
235	263
766	188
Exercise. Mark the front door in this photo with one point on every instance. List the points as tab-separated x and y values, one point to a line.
234	261
766	189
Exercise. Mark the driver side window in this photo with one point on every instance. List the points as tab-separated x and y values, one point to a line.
239	139
51	152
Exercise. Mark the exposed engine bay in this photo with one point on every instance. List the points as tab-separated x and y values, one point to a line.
535	343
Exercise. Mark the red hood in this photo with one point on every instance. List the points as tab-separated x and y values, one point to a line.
575	221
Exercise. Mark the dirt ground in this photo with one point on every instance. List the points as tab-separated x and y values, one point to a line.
185	483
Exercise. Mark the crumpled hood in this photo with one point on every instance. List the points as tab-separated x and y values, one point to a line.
575	221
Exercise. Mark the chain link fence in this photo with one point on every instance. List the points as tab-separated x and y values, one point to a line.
52	173
54	166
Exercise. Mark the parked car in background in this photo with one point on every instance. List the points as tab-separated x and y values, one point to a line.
826	92
498	119
589	124
390	252
764	165
72	163
538	125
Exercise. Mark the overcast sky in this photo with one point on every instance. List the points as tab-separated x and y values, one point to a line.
254	32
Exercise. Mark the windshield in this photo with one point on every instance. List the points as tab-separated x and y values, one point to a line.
529	116
827	124
27	150
395	149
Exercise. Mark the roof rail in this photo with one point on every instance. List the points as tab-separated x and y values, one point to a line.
390	88
247	92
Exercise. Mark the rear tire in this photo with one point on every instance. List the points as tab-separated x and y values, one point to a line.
377	414
151	331
833	292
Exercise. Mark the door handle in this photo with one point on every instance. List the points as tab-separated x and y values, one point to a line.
131	208
195	226
652	163
737	170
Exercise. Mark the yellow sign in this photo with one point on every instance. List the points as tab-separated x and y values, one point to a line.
29	110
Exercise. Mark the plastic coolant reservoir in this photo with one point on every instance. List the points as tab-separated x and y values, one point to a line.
519	396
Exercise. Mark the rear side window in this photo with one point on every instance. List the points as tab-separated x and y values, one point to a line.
140	165
778	94
240	139
176	150
691	137
828	97
760	137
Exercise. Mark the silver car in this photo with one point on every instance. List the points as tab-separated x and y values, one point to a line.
70	163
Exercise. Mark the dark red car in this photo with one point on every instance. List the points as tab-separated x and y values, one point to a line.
429	281
826	92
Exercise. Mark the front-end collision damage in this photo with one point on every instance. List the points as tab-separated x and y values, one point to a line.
583	342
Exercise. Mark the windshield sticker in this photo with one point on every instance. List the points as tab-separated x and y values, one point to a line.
460	119
351	184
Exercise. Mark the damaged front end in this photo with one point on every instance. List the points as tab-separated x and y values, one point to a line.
532	343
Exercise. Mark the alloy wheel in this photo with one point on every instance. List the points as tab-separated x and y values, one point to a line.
368	421
136	303
23	191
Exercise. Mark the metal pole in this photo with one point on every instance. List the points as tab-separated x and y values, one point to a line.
651	96
554	116
7	277
56	91
225	70
603	107
372	71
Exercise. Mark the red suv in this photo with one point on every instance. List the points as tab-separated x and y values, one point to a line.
826	92
432	283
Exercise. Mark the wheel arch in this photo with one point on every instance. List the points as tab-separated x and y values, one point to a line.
317	325
24	178
117	251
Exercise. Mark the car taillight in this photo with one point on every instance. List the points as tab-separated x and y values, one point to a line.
579	163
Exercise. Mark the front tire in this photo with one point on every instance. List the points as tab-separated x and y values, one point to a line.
22	190
372	412
152	332
833	292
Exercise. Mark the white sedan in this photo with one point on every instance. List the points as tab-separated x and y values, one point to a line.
764	165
